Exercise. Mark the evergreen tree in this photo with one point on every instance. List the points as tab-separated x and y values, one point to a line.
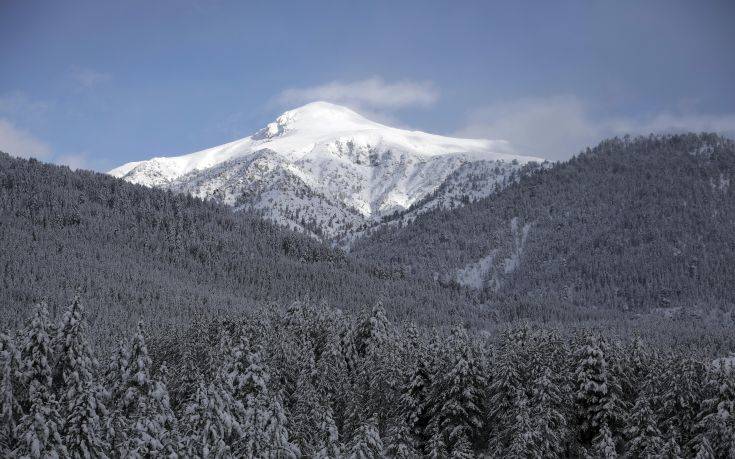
415	396
671	450
209	423
328	444
682	396
504	388
366	444
399	441
82	402
10	409
39	430
548	420
643	433
603	445
459	395
144	407
597	395
523	438
262	417
716	421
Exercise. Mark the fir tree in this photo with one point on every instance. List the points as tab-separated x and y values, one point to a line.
209	423
597	394
10	409
328	444
671	449
548	420
504	390
603	445
643	433
144	408
366	444
82	402
716	421
460	392
523	438
39	430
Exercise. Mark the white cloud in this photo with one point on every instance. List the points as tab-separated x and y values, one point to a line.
372	93
18	142
88	78
561	126
74	161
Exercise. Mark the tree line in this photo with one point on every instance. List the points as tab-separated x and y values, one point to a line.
313	381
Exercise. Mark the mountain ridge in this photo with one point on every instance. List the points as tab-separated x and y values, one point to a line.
350	171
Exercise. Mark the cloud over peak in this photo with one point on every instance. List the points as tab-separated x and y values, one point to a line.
372	93
558	127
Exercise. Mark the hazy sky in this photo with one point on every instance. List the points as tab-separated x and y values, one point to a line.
96	84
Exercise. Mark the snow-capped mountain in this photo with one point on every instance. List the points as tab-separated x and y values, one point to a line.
328	170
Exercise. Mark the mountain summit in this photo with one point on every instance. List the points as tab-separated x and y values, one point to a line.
326	169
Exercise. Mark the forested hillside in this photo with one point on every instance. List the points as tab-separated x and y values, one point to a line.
134	252
630	225
313	382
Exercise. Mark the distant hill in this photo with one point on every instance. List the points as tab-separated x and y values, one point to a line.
139	252
631	225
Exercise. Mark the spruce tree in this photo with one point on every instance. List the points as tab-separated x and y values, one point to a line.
597	392
39	430
366	444
716	421
10	408
459	394
548	420
144	409
644	436
506	380
209	423
82	404
603	445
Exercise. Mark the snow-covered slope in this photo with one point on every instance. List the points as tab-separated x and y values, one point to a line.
325	168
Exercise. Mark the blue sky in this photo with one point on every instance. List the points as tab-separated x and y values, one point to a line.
96	84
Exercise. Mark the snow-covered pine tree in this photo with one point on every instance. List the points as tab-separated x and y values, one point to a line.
522	436
372	332
399	441
331	377
209	423
144	408
597	392
164	415
262	418
304	418
671	449
415	395
644	436
459	395
716	421
603	445
549	422
82	404
115	377
506	379
328	444
38	433
681	395
435	447
10	409
366	443
276	436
